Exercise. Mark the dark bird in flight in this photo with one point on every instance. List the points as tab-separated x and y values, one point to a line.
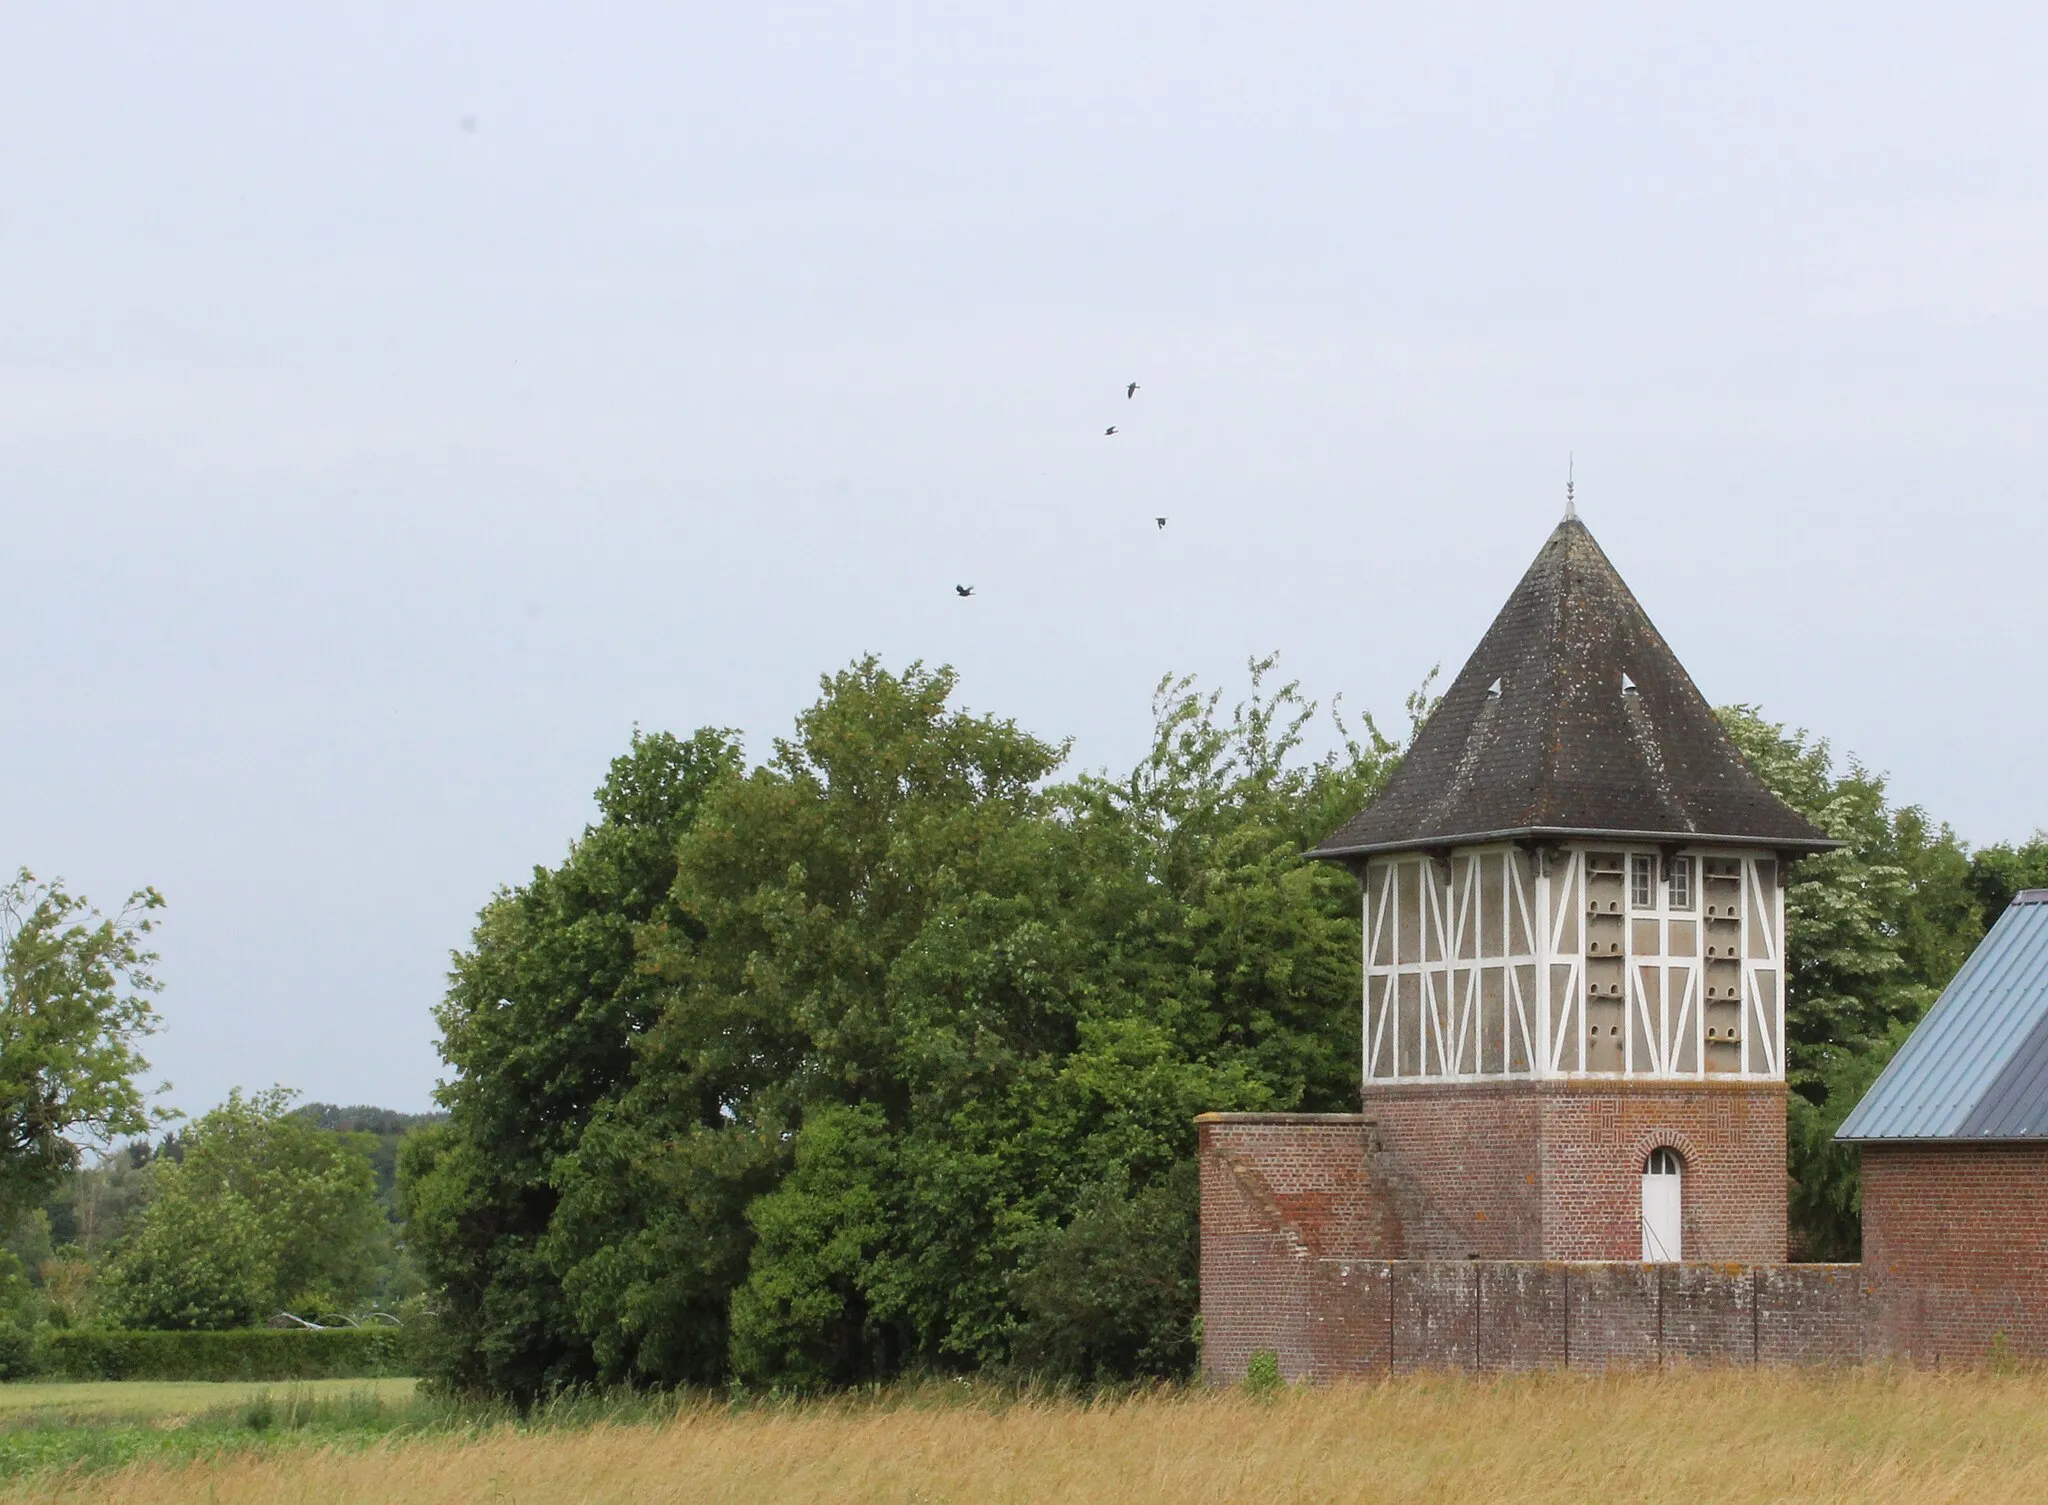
1131	390
963	590
1160	520
1108	431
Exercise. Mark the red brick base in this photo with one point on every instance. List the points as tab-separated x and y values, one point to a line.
1553	1170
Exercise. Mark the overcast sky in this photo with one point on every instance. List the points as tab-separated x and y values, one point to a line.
396	408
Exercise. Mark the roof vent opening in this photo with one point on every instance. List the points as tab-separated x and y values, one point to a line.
1493	690
1628	686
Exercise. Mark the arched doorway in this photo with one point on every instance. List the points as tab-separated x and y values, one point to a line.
1663	1205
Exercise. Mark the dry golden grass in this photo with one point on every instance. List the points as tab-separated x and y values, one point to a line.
1870	1436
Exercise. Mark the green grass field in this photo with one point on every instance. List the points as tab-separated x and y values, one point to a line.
156	1400
53	1428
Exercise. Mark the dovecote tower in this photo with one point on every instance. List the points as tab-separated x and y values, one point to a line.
1574	1012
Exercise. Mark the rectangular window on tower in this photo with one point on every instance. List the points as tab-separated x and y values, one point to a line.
1641	885
1680	872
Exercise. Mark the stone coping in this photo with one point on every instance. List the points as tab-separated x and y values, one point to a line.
1719	1266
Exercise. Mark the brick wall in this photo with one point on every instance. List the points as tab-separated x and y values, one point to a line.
1362	1318
1553	1170
1462	1168
1955	1242
1324	1238
1377	1243
1281	1191
1813	1314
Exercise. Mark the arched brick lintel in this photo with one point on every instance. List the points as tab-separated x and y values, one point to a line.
1665	1139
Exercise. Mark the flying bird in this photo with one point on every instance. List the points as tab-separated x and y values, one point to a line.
963	590
1160	520
1108	431
1131	390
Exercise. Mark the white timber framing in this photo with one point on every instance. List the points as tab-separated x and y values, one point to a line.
1564	970
1451	945
1763	970
1476	968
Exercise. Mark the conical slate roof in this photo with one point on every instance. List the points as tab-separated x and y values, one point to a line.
1560	748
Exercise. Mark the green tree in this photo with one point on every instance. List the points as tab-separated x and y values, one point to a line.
265	1212
1998	872
398	1282
1113	1294
75	990
96	1206
18	1304
193	1265
831	893
906	1006
1874	931
807	1315
540	1025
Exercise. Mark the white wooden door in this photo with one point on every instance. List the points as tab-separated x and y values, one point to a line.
1663	1202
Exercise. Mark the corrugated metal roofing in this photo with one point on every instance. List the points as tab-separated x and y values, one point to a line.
1977	1066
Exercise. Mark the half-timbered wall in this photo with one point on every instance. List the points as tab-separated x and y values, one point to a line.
1451	965
1576	960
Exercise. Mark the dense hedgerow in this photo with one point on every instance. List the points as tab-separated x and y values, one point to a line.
252	1354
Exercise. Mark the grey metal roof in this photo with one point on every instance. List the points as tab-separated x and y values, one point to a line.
1976	1068
1573	717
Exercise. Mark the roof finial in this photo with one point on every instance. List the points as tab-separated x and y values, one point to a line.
1571	510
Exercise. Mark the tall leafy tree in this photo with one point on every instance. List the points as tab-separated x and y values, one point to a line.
832	893
1874	931
539	1026
75	990
2000	871
914	1021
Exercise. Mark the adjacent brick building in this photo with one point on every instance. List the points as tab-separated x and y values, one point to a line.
1954	1142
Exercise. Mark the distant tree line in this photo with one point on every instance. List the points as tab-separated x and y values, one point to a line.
882	1055
253	1208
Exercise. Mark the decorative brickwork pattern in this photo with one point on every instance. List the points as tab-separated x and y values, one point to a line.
1307	1219
1955	1245
1460	1164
